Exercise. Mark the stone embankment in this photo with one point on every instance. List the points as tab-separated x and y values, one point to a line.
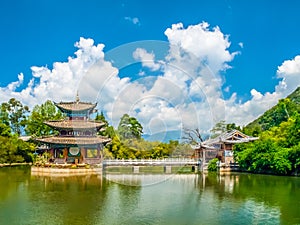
14	164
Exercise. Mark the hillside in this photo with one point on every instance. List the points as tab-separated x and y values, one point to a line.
277	114
295	96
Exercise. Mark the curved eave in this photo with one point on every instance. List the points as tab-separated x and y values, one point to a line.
74	140
74	124
75	106
245	140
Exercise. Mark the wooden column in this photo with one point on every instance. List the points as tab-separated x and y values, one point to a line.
82	155
65	153
98	152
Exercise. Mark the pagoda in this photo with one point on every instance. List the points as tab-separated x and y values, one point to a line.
77	140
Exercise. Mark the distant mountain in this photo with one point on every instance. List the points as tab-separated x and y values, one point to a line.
277	114
174	135
165	137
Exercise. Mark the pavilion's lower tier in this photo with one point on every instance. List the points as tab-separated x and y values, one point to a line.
75	155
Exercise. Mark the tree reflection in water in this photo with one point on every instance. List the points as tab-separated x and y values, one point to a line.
148	199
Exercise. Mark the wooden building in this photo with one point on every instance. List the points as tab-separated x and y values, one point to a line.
221	147
77	140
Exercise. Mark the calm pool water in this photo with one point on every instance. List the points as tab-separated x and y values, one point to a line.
148	199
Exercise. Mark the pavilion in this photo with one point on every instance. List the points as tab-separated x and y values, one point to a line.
221	147
77	140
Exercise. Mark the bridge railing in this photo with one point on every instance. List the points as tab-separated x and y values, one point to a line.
171	161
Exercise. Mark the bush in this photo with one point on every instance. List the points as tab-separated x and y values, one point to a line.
212	165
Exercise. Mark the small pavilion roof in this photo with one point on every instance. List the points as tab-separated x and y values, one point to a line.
74	124
75	106
230	137
74	140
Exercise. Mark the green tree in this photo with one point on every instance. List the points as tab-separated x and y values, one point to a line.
41	113
212	165
232	126
106	130
13	113
120	150
13	150
101	118
218	129
5	130
293	131
294	158
276	151
129	127
279	113
253	130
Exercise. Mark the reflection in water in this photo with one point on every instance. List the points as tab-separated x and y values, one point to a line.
148	199
11	182
67	200
143	179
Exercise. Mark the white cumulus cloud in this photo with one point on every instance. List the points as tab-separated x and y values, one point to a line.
147	59
185	89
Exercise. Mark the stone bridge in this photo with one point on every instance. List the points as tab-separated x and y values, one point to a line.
167	163
151	162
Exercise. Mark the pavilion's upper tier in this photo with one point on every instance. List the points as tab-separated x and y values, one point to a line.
76	107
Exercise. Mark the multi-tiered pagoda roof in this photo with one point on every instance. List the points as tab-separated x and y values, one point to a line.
74	124
76	106
77	141
77	129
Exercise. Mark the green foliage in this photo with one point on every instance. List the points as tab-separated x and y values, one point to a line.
232	126
252	130
13	149
41	113
106	130
294	157
141	149
181	150
41	159
222	127
5	130
277	151
101	117
13	114
281	112
212	165
129	127
295	97
218	129
293	131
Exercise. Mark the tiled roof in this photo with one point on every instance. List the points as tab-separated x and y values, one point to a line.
74	124
230	137
74	140
75	106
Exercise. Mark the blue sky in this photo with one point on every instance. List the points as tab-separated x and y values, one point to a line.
259	38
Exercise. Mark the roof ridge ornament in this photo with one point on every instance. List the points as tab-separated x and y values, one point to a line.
77	98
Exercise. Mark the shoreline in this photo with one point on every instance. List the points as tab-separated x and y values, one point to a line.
48	171
14	164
